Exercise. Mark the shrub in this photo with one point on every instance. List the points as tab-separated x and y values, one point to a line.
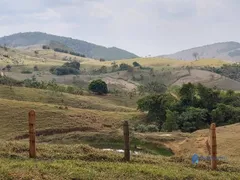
9	67
124	67
98	86
35	68
45	47
146	128
74	64
152	128
141	128
171	122
136	64
65	71
26	72
4	80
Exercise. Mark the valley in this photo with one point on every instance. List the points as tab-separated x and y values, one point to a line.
74	125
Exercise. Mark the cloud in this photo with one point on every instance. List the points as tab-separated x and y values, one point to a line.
142	26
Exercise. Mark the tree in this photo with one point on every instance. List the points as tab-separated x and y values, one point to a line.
35	68
36	53
124	67
74	64
103	69
8	67
136	64
156	107
193	119
98	86
155	87
171	121
195	55
114	66
187	95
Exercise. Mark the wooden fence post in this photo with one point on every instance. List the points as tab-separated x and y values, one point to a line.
32	134
213	146
126	141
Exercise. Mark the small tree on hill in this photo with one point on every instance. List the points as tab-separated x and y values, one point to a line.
74	64
98	86
136	64
8	67
195	55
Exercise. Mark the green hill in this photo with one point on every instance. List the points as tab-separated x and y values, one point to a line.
82	47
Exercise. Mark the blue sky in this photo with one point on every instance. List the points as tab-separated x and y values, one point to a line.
145	27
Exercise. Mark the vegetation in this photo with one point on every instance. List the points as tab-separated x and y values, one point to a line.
229	70
197	108
98	86
69	52
26	72
67	68
78	46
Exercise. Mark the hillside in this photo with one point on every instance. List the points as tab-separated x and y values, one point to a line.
79	46
71	142
224	50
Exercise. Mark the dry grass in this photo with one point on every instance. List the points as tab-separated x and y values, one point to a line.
83	162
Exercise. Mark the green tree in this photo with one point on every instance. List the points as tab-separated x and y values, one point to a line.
155	87
156	107
171	121
193	119
187	94
74	64
98	86
136	64
208	98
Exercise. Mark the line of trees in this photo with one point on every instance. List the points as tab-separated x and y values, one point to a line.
64	51
67	68
197	108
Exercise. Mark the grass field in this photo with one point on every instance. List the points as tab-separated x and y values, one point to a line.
73	130
84	162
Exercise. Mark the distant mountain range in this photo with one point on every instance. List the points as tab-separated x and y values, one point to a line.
224	50
79	46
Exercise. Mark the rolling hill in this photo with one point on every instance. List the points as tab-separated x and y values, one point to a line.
225	50
79	46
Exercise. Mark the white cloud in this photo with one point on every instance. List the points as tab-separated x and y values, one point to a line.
142	26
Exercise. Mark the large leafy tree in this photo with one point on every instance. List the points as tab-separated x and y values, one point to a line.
156	105
193	119
98	86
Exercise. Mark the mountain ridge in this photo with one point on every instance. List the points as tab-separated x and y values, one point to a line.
80	46
229	50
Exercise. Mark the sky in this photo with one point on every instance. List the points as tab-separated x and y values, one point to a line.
144	27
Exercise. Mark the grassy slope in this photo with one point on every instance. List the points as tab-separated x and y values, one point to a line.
83	162
87	111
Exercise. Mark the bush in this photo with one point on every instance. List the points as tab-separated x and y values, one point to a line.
26	72
171	122
152	128
74	64
98	86
35	68
193	119
45	47
124	67
8	67
146	128
65	71
4	80
136	64
141	128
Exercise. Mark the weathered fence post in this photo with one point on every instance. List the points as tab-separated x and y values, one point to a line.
126	141
32	134
213	146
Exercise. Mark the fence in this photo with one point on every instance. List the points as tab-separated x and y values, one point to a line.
212	148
